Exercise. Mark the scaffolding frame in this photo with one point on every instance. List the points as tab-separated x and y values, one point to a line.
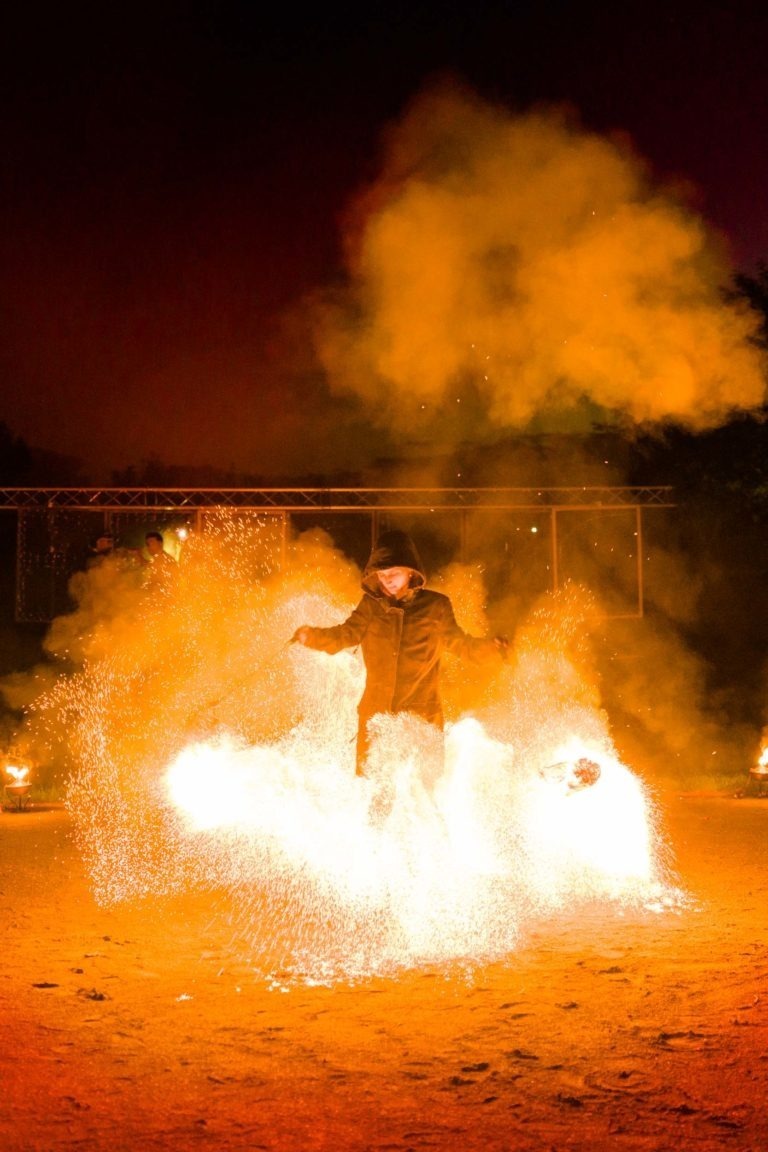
374	502
337	499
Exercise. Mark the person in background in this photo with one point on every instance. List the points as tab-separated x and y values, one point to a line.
103	545
159	566
106	549
403	628
156	549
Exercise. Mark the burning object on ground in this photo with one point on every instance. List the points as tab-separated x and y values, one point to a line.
758	774
572	774
17	787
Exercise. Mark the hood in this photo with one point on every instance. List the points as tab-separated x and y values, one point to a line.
393	550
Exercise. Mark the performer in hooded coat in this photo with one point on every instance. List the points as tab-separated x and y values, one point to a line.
403	628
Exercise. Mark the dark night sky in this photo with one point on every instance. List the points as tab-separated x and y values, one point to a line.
173	179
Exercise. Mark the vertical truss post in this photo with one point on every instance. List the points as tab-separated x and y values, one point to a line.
553	534
640	586
19	602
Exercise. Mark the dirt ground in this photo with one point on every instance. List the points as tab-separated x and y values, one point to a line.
133	1028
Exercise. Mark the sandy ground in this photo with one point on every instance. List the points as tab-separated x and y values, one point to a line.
133	1027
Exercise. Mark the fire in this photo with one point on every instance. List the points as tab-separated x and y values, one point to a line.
18	786
761	768
17	775
431	861
209	754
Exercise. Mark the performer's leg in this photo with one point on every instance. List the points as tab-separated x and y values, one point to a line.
363	744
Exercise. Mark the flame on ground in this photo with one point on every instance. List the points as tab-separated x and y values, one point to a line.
17	775
761	768
208	754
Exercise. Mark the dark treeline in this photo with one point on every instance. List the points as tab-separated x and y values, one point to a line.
154	473
26	465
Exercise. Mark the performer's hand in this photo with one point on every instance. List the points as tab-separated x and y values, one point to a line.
300	636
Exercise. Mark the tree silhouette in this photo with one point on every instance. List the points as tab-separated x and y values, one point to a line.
15	457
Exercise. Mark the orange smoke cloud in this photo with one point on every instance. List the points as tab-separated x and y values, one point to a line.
537	263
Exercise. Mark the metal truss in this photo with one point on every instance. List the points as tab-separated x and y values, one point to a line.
54	525
335	499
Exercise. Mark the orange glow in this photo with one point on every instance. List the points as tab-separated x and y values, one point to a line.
209	753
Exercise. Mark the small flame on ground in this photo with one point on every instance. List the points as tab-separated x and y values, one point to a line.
761	768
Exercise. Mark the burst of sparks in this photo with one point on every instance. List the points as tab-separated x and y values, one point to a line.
206	752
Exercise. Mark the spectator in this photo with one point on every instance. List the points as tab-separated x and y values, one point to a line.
156	549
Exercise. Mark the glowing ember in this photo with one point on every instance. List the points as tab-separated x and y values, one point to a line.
573	774
208	753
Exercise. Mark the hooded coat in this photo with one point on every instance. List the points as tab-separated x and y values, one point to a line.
401	640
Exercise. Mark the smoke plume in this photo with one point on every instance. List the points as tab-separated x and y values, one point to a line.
519	266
